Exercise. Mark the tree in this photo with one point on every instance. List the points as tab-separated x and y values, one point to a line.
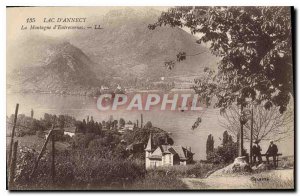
226	138
148	125
130	123
61	121
254	45
121	122
209	144
267	124
226	153
103	123
31	113
115	124
98	128
92	119
90	127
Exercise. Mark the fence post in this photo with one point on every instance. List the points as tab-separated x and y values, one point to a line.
241	143
251	135
53	159
12	166
41	153
13	134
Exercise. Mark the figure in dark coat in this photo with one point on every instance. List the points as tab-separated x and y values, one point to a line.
272	152
256	152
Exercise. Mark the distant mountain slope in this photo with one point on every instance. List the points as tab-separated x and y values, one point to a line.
124	52
64	69
127	46
29	51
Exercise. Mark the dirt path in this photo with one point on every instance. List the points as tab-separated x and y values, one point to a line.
269	179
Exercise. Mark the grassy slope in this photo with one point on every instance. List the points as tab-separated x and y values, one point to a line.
35	142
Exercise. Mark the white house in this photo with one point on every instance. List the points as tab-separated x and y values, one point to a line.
70	131
166	155
104	87
129	127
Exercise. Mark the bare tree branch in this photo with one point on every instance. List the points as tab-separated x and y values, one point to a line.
268	124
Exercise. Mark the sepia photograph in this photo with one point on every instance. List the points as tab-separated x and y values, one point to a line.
150	98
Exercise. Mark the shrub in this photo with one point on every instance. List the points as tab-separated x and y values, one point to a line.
226	153
223	154
40	134
25	164
158	180
83	140
75	168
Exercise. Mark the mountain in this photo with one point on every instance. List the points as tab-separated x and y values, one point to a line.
124	52
130	49
29	51
58	67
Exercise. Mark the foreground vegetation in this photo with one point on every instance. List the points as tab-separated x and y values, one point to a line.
90	168
97	157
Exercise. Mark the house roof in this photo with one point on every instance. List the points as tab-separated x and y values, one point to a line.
155	157
149	144
129	126
55	129
167	149
157	154
70	129
179	150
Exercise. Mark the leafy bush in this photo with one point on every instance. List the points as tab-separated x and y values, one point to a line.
82	140
158	180
159	136
223	154
226	153
75	168
25	164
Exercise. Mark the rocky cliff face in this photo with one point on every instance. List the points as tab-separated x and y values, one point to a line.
63	68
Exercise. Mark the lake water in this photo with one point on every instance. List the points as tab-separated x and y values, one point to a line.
176	122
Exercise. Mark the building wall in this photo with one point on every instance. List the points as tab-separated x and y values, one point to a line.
155	163
69	133
147	159
167	159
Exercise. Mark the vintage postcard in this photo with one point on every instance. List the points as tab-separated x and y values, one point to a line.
150	98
